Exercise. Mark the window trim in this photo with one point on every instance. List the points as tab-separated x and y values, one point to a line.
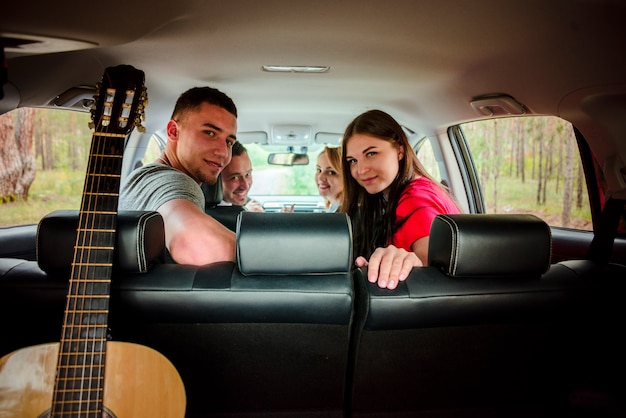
467	169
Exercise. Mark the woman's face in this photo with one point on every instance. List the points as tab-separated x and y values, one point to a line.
329	182
373	162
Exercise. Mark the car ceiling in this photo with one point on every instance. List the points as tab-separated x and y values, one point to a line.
423	61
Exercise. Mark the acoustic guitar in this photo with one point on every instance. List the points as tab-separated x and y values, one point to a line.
84	375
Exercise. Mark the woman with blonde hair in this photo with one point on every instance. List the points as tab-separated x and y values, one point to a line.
328	177
390	198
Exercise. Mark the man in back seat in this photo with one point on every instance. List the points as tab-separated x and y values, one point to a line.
201	133
237	180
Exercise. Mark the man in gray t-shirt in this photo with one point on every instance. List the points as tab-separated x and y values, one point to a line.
152	185
201	133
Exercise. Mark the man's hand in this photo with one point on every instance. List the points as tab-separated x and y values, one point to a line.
288	208
254	206
388	266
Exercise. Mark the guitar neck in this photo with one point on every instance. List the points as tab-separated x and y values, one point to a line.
79	382
80	371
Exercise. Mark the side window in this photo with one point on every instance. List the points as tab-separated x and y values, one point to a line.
43	160
530	165
426	155
156	145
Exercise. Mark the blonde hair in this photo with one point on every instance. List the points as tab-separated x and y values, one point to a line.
334	158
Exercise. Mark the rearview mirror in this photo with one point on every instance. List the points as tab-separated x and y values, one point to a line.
288	158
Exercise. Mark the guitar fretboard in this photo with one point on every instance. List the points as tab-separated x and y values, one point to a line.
80	368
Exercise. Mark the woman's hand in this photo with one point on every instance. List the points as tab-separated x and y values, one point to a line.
388	266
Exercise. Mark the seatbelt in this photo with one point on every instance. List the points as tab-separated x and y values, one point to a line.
602	244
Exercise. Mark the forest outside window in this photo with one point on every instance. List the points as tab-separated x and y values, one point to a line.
43	161
531	165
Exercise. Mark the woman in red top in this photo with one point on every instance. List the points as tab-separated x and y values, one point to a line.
382	176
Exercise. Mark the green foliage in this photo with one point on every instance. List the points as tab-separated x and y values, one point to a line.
521	164
61	144
295	180
61	139
302	181
258	156
52	190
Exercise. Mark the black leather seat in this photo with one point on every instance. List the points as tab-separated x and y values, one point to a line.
269	334
285	331
484	331
33	293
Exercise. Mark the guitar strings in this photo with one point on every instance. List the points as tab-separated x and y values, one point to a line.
85	330
96	314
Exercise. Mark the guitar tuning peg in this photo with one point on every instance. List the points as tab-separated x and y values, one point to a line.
144	97
97	93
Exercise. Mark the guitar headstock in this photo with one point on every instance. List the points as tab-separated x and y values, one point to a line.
120	102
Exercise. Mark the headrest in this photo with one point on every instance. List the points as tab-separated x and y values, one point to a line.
226	215
480	245
293	243
140	241
213	193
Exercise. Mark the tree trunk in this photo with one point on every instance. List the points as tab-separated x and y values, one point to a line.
539	170
579	184
17	171
496	167
522	152
568	186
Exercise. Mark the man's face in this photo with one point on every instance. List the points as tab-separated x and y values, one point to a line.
237	180
204	138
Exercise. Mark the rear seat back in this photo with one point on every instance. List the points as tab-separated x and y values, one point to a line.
286	332
33	293
481	332
247	338
269	333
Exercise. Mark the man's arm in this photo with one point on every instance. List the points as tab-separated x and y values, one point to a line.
193	237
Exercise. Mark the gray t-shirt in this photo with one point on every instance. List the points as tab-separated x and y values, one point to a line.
152	185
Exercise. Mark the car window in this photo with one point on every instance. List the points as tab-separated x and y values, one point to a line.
426	155
44	156
530	165
154	148
297	180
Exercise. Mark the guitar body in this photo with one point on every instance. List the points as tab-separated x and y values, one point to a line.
139	382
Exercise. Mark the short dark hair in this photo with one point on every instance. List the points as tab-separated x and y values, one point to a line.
194	97
238	149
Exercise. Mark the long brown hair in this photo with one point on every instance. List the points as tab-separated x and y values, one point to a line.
373	216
